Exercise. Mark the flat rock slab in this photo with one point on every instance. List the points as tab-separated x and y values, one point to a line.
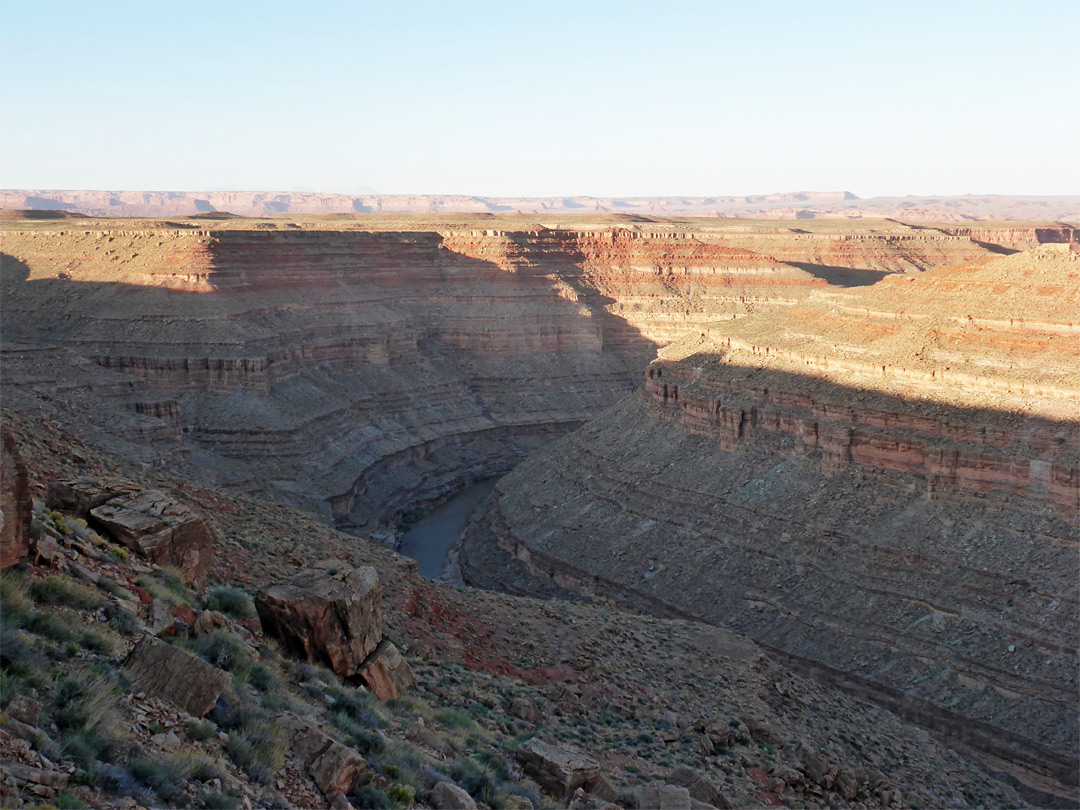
80	495
176	676
330	614
161	529
662	797
558	769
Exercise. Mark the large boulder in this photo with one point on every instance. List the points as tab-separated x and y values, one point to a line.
176	676
161	529
558	769
330	614
386	672
16	508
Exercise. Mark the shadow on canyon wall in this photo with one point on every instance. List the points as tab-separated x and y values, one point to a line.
489	349
922	556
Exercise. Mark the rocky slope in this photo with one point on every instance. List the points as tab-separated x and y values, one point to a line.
793	205
882	486
515	701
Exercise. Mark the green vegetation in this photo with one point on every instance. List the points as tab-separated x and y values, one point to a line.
53	590
234	602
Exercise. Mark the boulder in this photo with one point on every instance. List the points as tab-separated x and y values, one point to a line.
332	765
335	768
79	496
525	709
699	788
175	676
47	552
208	621
329	614
24	709
816	766
386	672
161	529
662	797
558	769
16	507
761	731
448	796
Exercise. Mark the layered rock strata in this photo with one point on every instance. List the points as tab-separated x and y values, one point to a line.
882	486
357	367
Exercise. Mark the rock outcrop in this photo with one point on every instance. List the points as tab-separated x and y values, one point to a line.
558	769
175	676
16	508
161	529
329	614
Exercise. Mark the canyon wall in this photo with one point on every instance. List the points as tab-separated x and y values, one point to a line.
357	366
882	485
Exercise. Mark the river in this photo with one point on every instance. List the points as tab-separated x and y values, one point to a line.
429	540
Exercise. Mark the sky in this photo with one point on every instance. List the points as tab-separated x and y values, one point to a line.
878	97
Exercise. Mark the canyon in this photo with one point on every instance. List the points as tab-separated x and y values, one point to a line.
853	444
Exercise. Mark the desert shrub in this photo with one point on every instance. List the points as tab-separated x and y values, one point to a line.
200	730
225	650
216	800
121	620
54	590
118	781
60	628
453	718
369	796
258	751
478	710
495	763
69	801
16	606
476	779
86	710
401	795
202	768
109	585
360	706
95	642
263	678
171	579
235	602
166	775
360	737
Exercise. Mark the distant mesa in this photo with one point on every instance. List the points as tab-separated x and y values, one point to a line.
779	206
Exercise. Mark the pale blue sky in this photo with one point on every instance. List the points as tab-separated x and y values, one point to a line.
542	98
